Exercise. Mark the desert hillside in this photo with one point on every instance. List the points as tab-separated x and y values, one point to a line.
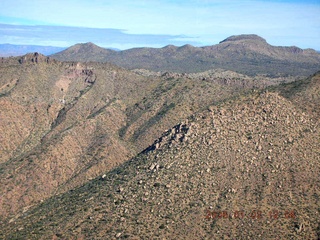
64	123
245	167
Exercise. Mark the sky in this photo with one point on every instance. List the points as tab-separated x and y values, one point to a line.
125	24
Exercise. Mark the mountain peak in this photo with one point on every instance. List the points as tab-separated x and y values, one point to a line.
241	37
89	44
34	58
170	46
86	45
186	46
83	52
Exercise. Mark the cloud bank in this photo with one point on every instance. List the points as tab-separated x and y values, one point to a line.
65	36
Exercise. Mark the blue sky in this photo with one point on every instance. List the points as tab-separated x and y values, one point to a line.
125	24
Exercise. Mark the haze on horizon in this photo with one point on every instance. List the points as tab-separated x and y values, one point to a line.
154	23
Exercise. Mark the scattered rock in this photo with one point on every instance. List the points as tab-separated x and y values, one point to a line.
153	165
118	235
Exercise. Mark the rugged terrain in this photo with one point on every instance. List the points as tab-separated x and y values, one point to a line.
64	123
246	54
76	152
244	168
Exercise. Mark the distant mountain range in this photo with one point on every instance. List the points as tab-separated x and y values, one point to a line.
7	50
246	54
12	50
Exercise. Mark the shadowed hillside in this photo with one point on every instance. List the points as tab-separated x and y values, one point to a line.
305	93
60	121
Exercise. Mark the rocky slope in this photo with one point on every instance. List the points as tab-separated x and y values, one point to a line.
64	123
246	54
244	168
60	121
304	93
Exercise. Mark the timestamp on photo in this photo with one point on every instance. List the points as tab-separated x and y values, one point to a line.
253	214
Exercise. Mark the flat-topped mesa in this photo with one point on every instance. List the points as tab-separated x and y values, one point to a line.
35	58
244	37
